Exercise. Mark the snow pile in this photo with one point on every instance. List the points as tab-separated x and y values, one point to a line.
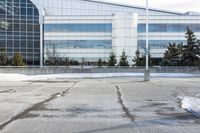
13	77
191	104
173	75
21	77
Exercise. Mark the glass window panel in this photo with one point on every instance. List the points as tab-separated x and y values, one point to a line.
2	43
16	44
23	11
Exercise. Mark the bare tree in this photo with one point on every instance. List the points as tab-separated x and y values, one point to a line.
3	57
51	56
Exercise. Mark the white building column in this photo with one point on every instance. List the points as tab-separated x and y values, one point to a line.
41	11
41	44
124	35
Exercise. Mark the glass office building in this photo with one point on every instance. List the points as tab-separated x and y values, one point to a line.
88	29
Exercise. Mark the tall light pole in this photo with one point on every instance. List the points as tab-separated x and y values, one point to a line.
147	70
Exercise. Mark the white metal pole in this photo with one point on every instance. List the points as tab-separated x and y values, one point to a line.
147	34
147	71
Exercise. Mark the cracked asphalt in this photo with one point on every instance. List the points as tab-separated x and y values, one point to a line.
109	105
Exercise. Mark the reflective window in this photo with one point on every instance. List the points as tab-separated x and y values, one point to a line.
168	27
23	33
78	27
158	44
67	44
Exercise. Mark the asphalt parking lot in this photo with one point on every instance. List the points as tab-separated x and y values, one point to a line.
103	105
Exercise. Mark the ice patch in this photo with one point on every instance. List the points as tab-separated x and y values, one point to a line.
191	104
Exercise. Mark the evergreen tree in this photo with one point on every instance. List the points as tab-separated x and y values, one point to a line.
67	62
172	56
123	59
139	61
74	62
3	58
18	60
100	63
112	59
191	51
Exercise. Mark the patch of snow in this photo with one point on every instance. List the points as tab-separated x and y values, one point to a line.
173	75
59	95
21	77
191	104
13	77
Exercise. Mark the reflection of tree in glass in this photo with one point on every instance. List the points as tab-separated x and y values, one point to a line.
3	57
3	25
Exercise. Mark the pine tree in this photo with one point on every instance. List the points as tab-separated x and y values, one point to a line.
100	63
3	58
191	52
172	56
67	62
18	60
123	59
139	61
112	59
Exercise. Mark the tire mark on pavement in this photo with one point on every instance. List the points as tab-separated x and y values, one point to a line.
124	108
29	109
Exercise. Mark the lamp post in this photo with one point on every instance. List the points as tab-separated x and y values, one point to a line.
147	70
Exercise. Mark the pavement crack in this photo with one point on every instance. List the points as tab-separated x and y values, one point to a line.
8	91
26	111
124	108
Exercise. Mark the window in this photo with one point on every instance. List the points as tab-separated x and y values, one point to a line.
67	44
78	27
158	44
168	27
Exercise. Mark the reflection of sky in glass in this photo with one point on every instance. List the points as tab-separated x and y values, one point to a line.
169	27
158	44
66	44
78	27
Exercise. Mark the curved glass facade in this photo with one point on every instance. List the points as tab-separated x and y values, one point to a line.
23	32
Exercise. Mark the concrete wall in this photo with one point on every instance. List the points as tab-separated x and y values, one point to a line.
57	70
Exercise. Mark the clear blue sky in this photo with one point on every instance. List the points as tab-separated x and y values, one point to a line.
174	5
